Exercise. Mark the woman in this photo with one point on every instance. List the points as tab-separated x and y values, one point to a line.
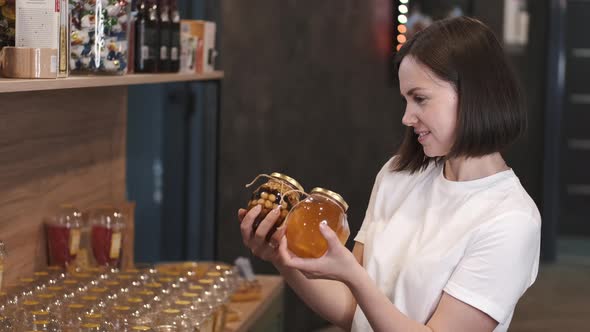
450	240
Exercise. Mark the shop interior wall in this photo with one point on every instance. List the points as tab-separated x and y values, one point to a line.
305	94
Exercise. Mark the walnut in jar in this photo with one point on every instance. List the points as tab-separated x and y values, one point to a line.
270	195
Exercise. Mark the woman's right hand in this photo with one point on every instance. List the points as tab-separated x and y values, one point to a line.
256	241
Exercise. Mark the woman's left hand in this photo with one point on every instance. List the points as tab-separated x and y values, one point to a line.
338	263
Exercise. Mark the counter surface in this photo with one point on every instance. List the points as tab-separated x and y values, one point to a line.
251	312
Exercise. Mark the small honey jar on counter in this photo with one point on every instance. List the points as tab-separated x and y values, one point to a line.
270	195
303	223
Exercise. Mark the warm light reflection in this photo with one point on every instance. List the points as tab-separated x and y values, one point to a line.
401	39
402	28
399	46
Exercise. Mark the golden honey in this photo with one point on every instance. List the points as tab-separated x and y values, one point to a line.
303	223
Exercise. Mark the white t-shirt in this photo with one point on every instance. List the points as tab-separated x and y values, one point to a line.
478	241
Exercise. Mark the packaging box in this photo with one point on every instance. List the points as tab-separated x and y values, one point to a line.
197	46
44	24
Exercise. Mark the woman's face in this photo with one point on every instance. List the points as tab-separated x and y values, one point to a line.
431	107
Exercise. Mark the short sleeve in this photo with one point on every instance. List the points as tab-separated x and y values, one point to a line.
499	264
362	233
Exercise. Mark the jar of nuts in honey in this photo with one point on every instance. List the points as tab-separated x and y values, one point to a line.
303	223
270	195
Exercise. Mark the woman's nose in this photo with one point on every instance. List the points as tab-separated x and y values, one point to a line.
409	119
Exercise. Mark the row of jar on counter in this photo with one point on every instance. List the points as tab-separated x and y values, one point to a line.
192	298
300	212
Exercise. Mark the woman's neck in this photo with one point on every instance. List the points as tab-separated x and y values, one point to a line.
467	169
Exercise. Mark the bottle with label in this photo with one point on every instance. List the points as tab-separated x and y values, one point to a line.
2	260
63	235
147	31
174	37
165	35
107	225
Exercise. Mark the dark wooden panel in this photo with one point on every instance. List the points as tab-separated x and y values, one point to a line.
63	146
305	94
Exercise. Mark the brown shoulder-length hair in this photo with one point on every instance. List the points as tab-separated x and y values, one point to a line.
491	110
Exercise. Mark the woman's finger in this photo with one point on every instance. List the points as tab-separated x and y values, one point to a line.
329	235
246	225
242	214
276	238
265	226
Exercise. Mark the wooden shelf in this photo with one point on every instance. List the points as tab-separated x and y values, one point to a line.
73	82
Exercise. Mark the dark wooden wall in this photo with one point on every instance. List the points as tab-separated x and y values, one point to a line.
304	93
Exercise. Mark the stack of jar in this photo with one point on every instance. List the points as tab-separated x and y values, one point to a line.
93	241
192	298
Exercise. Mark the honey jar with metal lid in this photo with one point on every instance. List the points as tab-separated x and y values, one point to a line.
303	223
269	195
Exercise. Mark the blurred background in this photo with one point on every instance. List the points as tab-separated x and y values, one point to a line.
308	91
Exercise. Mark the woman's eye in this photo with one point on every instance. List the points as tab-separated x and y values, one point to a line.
419	99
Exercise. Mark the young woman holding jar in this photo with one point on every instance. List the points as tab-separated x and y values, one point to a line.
450	239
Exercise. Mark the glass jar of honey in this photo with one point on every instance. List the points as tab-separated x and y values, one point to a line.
63	235
270	194
303	231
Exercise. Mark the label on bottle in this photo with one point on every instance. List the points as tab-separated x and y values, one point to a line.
152	41
115	245
174	54
163	52
74	241
145	52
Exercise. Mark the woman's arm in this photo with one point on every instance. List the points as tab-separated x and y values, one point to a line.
329	298
451	315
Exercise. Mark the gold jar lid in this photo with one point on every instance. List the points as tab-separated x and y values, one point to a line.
289	179
332	195
90	325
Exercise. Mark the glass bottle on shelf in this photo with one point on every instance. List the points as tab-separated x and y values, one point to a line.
303	222
174	37
147	30
165	31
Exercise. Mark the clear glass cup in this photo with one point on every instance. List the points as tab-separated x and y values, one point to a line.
72	317
174	320
95	319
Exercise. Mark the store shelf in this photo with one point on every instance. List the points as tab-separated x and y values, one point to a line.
73	82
